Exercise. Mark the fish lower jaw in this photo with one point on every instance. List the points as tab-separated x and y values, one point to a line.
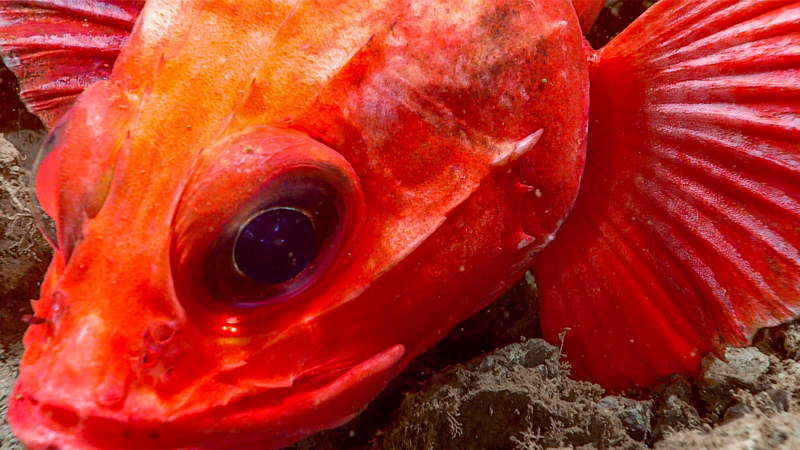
43	426
252	421
40	425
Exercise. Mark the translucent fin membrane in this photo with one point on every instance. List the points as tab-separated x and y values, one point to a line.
686	231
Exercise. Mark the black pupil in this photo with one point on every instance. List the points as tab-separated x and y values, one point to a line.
275	246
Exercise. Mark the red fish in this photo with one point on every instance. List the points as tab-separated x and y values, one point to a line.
265	210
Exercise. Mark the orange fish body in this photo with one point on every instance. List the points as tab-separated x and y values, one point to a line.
268	209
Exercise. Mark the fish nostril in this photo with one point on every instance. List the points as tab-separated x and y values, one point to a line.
62	416
156	342
162	332
58	308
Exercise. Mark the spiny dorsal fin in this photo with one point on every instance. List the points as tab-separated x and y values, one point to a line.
58	47
685	234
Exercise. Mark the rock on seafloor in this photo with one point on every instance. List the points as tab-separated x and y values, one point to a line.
517	397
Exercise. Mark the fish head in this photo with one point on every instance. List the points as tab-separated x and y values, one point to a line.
271	208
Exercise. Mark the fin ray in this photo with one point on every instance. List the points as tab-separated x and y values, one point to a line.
685	234
57	48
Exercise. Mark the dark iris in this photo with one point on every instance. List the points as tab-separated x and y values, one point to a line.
275	246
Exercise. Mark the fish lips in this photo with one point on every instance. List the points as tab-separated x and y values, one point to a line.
269	420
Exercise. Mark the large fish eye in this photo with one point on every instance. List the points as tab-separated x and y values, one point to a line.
278	243
264	217
275	245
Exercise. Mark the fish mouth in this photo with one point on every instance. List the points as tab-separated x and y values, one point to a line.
247	424
42	426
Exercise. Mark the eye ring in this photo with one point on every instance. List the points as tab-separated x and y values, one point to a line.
244	177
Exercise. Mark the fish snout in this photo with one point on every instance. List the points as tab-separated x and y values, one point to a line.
40	425
69	377
77	397
86	381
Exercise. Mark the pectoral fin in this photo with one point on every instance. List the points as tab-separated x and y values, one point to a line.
685	234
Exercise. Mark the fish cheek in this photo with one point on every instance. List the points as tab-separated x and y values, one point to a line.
262	219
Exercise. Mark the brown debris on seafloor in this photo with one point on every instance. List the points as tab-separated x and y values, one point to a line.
517	397
24	255
520	397
22	247
751	399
